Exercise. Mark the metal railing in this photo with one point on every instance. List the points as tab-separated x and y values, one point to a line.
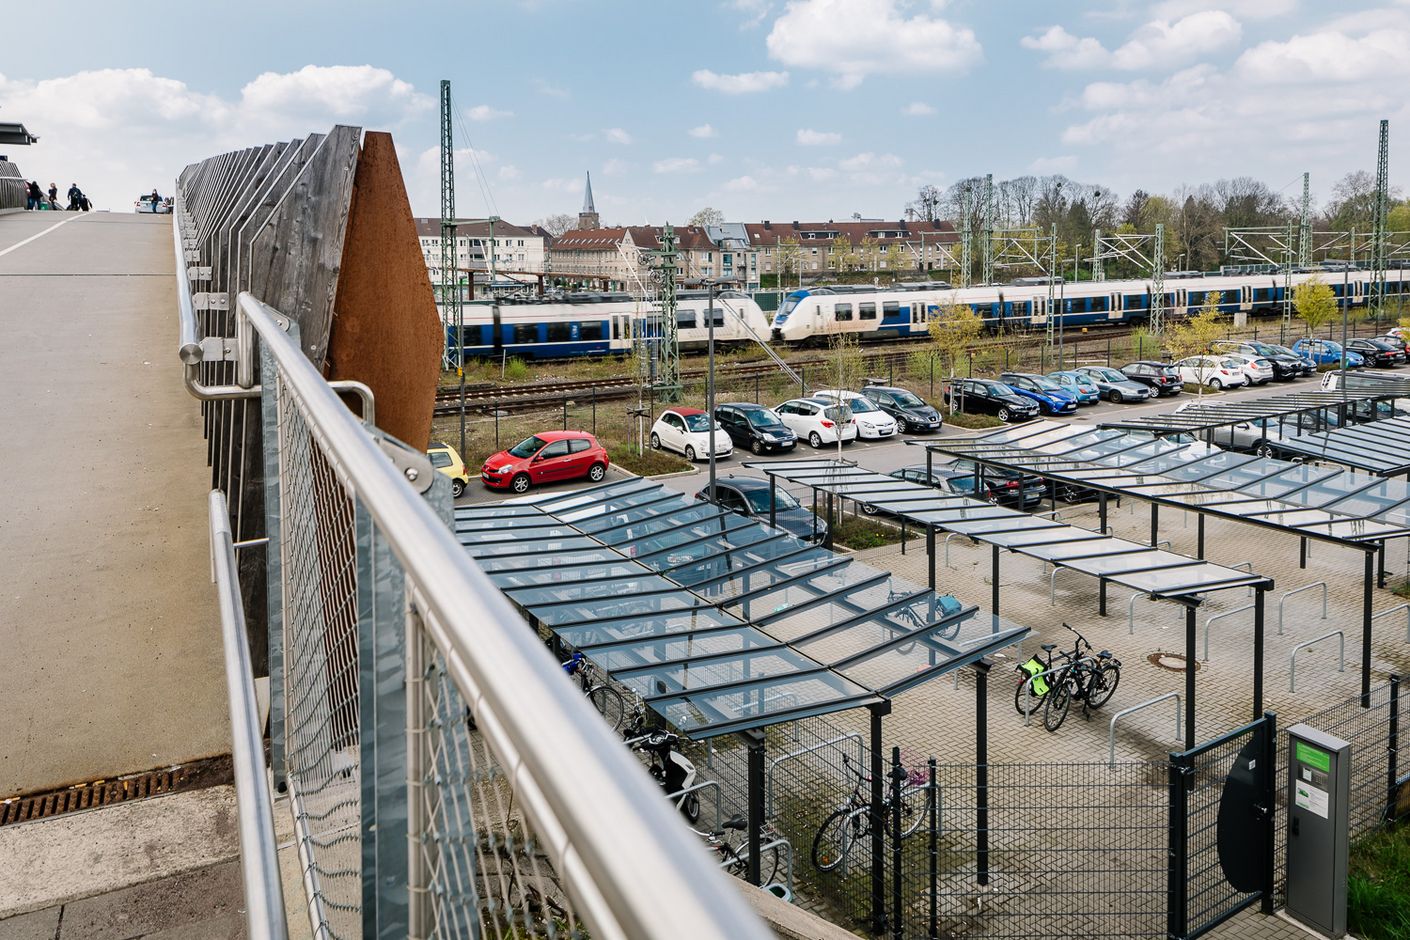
1210	620
1292	658
1399	608
445	777
1295	591
259	856
1111	729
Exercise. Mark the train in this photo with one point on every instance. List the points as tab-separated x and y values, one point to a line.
586	324
808	316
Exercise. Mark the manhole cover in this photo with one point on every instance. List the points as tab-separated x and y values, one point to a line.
208	772
1175	662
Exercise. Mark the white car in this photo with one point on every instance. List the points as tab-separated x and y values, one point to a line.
1194	448
872	422
817	422
688	431
1258	370
1214	372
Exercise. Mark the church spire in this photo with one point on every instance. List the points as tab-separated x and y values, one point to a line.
588	218
587	196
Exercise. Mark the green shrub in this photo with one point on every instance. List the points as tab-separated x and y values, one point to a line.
1378	886
516	370
973	422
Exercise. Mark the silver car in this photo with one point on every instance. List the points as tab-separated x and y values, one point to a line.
1114	385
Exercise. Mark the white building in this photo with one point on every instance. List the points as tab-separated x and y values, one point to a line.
516	250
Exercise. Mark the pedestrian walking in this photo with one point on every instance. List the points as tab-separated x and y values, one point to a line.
53	195
33	195
75	197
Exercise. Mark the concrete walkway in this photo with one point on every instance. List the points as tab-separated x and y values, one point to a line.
111	639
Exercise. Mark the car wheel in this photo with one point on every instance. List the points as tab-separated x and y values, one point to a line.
690	453
596	472
1004	414
457	488
520	483
655	441
1116	397
815	439
1264	450
1216	385
757	447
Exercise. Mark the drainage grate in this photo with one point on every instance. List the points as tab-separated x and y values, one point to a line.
195	775
1174	662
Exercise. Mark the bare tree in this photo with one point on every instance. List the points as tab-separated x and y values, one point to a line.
707	216
557	224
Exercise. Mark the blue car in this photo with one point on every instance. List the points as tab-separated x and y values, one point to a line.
1324	352
1051	398
1075	383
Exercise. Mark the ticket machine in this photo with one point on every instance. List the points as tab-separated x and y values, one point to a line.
1319	769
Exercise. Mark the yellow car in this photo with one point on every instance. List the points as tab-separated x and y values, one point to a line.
445	459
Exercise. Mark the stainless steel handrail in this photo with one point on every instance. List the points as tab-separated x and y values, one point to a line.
1395	610
1210	620
259	855
587	799
1295	591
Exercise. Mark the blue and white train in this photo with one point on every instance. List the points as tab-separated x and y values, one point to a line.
905	310
595	324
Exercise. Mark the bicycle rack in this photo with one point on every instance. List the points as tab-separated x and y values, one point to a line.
794	755
1395	610
678	795
787	863
1111	731
1131	612
1210	620
1292	660
1306	587
1166	542
1028	684
1249	566
951	535
1052	584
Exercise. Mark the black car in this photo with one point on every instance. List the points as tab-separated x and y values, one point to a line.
1377	352
983	396
946	479
1009	487
755	427
750	497
1160	377
910	412
1286	365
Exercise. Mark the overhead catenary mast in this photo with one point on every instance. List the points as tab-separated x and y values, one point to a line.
1379	261
450	286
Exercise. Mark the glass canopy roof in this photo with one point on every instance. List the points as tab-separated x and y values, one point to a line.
1382	447
1157	573
1317	502
720	623
1195	416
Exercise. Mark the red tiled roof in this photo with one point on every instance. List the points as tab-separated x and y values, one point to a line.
768	234
477	228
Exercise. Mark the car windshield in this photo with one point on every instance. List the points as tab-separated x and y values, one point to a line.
763	418
527	447
758	500
1111	375
839	413
1047	385
907	400
697	422
1230	364
1281	349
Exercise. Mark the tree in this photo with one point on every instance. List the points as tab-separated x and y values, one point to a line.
926	205
839	255
897	257
557	224
1194	335
1315	303
707	216
868	253
954	328
790	258
846	365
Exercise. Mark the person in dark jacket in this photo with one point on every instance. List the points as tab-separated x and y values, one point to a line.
53	195
75	197
33	195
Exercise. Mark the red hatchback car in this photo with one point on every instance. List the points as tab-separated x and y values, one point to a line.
546	458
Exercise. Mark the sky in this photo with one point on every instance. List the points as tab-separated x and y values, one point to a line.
763	109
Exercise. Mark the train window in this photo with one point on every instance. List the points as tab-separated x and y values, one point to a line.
590	331
685	318
718	316
866	311
560	332
841	312
526	333
890	309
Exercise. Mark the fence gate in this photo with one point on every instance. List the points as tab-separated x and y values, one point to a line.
1222	799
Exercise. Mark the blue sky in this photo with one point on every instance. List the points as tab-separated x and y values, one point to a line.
780	109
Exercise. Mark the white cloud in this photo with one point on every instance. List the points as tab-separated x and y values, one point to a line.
1066	51
702	132
560	184
615	167
752	12
742	184
483	112
807	137
1063	164
918	109
1156	45
1242	9
676	165
857	38
743	83
617	136
508	173
342	91
1328	56
870	161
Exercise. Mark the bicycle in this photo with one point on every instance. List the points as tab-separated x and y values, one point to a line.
1091	683
1028	698
852	820
604	697
734	859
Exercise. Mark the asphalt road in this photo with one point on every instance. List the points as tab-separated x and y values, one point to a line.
894	453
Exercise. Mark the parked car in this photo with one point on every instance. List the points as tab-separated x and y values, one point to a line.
1256	369
817	422
945	478
1010	488
691	433
1309	367
985	396
446	459
1396	340
872	423
1077	384
1286	365
749	496
1159	377
1051	398
755	427
1195	448
912	414
1214	372
1325	352
546	457
1261	435
1115	386
1378	352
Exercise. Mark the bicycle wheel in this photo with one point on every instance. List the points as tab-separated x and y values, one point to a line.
1059	700
609	704
1025	697
1104	683
690	806
914	809
833	840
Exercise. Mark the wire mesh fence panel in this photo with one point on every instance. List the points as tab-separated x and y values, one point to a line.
319	574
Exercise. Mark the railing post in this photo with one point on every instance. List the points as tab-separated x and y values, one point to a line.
932	806
274	578
756	802
1392	749
878	821
898	774
1268	810
1178	856
981	760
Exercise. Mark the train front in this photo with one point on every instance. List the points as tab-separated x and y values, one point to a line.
783	330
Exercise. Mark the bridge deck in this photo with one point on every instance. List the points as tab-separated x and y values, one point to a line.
110	637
